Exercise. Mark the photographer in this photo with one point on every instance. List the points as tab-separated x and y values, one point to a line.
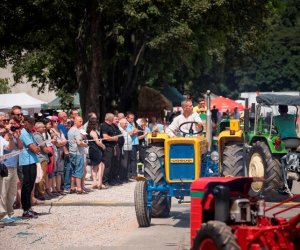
9	186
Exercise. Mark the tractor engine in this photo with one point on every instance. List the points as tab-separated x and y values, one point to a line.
236	210
240	211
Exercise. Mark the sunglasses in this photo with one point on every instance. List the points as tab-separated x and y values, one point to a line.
21	114
5	120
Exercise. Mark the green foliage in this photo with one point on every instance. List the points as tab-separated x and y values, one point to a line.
4	86
107	49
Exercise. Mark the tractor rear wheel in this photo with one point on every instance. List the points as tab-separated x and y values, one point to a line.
161	203
261	163
215	235
143	214
233	163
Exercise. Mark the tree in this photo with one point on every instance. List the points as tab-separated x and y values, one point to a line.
107	49
4	86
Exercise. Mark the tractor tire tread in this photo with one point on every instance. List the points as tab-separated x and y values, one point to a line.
219	232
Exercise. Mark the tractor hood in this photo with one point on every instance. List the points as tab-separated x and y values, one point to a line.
271	99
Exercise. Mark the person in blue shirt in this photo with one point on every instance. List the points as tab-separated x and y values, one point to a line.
28	160
285	123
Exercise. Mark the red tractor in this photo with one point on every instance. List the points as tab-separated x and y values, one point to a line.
223	216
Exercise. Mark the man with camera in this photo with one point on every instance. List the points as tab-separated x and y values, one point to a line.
8	175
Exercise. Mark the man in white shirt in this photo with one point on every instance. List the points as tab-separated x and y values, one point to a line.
187	116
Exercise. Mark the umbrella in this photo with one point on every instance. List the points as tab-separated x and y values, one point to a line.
223	104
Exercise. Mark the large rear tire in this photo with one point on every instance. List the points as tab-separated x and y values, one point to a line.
161	203
215	235
233	160
143	213
261	163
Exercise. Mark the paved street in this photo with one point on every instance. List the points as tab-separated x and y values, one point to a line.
104	219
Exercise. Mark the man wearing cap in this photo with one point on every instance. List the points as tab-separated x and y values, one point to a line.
28	160
76	149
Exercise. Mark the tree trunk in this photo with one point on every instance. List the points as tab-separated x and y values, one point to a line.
88	70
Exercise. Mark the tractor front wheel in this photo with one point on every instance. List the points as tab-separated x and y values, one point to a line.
263	164
233	163
215	235
154	170
140	201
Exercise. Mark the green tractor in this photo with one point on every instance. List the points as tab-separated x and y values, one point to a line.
257	149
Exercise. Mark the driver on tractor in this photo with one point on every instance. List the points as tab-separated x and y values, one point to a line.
285	123
193	122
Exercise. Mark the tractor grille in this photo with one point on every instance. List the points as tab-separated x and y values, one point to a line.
182	162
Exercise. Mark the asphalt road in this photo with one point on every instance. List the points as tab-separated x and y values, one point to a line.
173	233
103	219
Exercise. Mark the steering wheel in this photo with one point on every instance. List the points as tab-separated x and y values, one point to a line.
191	131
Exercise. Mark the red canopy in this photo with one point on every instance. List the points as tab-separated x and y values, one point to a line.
223	104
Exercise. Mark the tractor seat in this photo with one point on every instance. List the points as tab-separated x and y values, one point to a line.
291	142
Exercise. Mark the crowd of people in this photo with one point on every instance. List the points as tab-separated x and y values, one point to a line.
47	156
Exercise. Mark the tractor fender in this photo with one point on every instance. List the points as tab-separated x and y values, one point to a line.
225	137
140	178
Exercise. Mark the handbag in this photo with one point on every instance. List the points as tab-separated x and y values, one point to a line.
3	170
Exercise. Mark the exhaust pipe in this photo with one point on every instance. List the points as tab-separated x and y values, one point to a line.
208	120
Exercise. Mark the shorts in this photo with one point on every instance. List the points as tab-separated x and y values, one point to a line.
77	165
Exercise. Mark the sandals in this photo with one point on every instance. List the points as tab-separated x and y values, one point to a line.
72	191
95	187
81	192
103	187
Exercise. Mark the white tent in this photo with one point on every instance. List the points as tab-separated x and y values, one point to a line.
22	99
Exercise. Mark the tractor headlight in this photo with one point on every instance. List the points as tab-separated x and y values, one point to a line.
152	157
214	156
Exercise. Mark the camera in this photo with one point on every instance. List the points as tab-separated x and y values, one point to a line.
13	129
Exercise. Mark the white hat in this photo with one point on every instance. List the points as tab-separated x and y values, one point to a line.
82	131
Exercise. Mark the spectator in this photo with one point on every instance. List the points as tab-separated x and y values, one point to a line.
9	143
63	126
133	131
117	162
143	131
28	160
200	107
59	148
43	157
73	114
236	113
127	147
96	148
51	165
108	133
16	113
214	115
76	148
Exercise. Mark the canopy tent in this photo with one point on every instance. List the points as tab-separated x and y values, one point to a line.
223	104
173	95
21	99
56	103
